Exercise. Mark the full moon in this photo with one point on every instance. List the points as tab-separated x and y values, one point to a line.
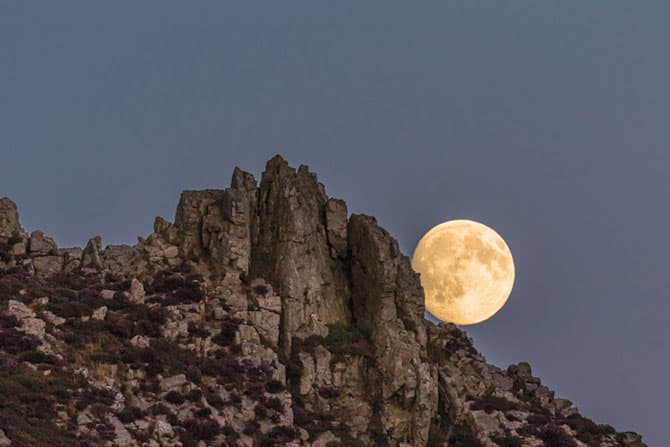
466	269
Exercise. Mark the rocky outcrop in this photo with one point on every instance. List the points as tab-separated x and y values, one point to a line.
263	316
387	301
292	251
9	220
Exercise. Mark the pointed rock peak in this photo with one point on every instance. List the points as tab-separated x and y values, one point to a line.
92	254
243	180
9	219
276	162
276	168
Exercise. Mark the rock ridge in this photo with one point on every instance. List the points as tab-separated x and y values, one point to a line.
264	315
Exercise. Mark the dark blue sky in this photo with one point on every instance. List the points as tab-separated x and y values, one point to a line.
546	120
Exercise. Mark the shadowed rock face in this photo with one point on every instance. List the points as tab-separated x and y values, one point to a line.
265	315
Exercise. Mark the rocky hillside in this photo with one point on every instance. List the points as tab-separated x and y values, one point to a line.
263	316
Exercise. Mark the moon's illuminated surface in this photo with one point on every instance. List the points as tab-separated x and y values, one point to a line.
467	271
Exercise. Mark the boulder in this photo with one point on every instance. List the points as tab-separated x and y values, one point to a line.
100	313
174	383
4	440
47	265
164	430
136	292
33	326
41	245
19	310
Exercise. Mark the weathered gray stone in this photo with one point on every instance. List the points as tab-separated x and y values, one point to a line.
164	430
191	212
521	370
19	310
140	341
33	326
123	438
71	258
123	259
53	318
267	324
100	313
324	438
9	219
336	224
4	440
47	265
136	292
107	294
41	245
19	249
166	230
388	301
91	257
174	383
171	252
292	252
231	248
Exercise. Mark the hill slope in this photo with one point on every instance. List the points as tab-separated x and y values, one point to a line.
263	316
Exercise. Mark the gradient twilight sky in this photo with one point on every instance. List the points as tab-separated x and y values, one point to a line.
547	121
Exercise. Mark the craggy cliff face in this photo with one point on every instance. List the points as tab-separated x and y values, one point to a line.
263	316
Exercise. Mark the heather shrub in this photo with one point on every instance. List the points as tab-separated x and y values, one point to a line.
437	436
329	392
274	386
279	435
201	429
226	336
214	400
8	321
490	403
174	397
195	330
260	289
37	357
202	412
260	411
274	403
346	339
554	436
194	395
537	419
314	423
15	342
130	414
462	436
508	441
